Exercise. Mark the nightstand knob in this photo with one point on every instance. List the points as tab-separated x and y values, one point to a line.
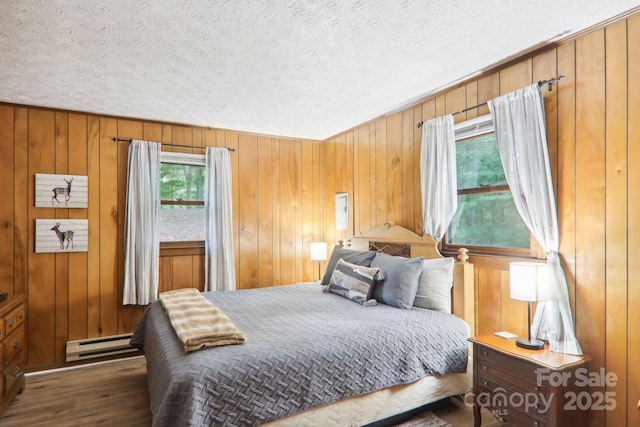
484	367
535	388
485	383
535	423
485	353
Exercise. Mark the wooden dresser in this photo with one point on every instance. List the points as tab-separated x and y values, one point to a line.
527	387
13	355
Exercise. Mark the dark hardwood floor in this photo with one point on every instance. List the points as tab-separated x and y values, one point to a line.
115	393
110	393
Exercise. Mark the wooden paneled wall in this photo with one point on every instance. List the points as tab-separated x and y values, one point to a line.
593	129
284	190
276	196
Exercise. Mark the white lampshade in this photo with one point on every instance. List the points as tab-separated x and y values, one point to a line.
529	281
318	251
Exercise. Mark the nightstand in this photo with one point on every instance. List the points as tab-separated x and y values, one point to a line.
527	387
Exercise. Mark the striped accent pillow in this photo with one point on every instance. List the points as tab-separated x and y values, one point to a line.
354	282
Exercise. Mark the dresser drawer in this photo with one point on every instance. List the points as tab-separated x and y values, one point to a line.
14	319
13	343
13	347
14	371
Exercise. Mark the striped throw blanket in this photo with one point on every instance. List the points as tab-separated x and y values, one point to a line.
197	321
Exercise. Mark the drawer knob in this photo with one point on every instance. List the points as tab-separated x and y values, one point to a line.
21	315
16	344
484	367
16	371
11	323
485	383
535	423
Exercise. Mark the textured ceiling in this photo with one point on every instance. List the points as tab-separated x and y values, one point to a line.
305	69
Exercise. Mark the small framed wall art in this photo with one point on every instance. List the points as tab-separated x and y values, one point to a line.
61	191
62	235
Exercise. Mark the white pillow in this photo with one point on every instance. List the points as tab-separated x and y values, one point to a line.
434	285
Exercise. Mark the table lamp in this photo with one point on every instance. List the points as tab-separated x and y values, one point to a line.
529	281
318	253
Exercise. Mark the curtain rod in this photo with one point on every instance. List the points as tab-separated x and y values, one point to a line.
116	139
549	83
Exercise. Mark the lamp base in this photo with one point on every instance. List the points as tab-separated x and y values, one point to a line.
533	343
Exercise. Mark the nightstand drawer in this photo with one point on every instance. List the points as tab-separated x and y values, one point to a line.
504	397
13	343
522	420
491	360
488	381
504	375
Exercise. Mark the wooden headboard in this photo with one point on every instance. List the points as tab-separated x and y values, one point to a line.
399	239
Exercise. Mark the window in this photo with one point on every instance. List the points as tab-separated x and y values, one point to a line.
486	220
182	215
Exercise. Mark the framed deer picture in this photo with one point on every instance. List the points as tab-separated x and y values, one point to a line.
62	235
61	191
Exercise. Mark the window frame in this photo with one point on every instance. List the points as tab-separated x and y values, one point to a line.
182	247
469	129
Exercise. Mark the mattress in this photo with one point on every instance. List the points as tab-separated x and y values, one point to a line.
305	349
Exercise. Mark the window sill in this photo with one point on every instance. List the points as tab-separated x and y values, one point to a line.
497	252
168	249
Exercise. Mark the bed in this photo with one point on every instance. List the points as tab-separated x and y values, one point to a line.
313	357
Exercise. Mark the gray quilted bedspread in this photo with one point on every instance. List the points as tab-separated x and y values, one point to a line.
305	348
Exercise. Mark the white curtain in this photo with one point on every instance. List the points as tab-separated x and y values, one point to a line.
141	246
220	273
438	176
521	134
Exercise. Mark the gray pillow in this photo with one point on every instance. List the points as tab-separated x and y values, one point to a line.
354	257
401	279
434	286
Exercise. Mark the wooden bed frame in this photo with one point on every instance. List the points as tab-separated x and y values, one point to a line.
379	406
463	304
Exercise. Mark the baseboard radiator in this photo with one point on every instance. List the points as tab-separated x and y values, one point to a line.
99	347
